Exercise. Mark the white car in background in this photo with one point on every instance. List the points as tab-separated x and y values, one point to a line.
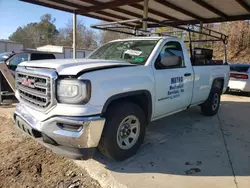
239	78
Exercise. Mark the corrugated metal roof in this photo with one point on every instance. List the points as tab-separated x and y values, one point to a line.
58	49
9	41
176	11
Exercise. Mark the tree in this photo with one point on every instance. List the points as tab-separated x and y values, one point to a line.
27	35
238	41
47	30
36	34
106	36
86	38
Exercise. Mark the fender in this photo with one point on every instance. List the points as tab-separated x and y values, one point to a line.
131	95
216	81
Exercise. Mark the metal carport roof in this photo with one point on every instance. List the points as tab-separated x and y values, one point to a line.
176	11
169	12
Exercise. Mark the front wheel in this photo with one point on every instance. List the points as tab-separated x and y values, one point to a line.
124	131
211	106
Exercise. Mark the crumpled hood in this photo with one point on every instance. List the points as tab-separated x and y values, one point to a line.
74	66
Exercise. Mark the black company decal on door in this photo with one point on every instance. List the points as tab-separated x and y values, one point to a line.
176	88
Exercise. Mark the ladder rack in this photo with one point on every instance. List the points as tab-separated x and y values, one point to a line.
133	27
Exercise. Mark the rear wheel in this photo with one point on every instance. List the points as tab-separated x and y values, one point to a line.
211	106
124	131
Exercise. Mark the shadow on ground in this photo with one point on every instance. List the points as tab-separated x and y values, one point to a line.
188	143
243	94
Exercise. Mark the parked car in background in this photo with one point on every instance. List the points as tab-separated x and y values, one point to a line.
12	59
239	78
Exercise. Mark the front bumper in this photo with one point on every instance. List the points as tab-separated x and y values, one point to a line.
65	135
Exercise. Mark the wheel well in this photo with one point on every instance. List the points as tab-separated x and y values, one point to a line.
142	99
218	83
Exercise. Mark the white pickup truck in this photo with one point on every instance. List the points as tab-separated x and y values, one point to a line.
107	100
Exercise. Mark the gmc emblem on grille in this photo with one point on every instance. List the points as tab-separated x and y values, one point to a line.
28	82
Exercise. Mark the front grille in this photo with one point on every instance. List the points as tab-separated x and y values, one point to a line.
34	89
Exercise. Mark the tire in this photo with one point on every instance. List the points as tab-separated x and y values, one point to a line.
116	130
210	107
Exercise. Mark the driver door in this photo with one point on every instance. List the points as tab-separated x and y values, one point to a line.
174	85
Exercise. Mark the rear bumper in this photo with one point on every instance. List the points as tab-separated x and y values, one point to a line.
73	137
239	85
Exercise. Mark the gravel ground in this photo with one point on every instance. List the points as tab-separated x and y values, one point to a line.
25	163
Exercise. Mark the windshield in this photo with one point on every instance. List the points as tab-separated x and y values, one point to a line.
4	56
133	51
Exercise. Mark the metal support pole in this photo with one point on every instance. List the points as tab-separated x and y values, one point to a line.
190	47
225	53
200	35
74	35
145	14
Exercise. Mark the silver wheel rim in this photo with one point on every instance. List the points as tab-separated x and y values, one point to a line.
128	132
215	101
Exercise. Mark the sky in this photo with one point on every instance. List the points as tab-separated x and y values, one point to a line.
14	13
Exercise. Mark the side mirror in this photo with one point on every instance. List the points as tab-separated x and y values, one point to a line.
170	61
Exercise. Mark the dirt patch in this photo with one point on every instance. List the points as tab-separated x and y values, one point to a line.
25	163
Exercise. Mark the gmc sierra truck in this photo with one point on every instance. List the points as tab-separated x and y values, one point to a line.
107	100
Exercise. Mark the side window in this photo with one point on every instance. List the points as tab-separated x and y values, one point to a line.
37	56
18	59
13	61
173	48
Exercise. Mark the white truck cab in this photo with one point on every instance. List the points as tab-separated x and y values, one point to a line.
107	100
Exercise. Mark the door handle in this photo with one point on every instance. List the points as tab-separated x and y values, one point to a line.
187	74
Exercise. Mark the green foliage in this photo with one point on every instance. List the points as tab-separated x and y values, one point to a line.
86	38
27	35
45	32
47	29
107	36
36	34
